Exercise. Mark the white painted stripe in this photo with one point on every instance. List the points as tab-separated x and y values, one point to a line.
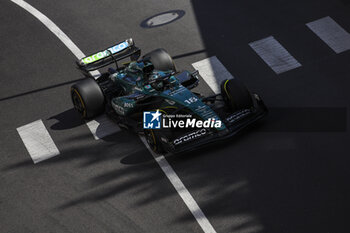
55	30
274	55
213	72
102	126
331	33
38	141
169	172
181	190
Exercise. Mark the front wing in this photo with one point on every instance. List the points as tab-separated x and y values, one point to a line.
235	123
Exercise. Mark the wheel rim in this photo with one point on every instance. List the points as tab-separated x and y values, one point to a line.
78	102
151	140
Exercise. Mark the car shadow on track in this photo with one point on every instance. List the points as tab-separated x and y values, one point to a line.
66	120
39	90
230	173
256	183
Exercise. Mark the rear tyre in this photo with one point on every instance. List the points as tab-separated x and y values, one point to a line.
160	59
236	95
87	98
154	141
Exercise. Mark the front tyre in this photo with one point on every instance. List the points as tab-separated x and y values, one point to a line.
236	95
87	98
154	141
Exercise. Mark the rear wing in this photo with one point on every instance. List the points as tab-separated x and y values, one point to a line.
109	55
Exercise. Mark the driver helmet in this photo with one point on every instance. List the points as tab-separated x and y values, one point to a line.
154	76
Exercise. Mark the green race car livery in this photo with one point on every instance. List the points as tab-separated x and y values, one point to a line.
154	84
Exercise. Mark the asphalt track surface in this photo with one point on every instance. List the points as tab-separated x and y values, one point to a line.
288	174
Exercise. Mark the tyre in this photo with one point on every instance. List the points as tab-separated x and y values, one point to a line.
154	141
87	98
160	59
236	95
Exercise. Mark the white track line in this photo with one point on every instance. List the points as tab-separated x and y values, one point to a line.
102	126
331	33
274	55
54	29
93	124
169	172
38	141
181	190
213	72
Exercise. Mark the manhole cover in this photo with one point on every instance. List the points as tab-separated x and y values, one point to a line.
162	18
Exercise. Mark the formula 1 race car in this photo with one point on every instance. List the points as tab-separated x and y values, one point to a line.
152	85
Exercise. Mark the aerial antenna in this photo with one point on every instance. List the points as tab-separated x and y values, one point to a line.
115	61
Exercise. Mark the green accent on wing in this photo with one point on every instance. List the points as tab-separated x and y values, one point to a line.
95	57
100	55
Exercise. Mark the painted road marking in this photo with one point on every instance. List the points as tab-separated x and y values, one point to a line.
181	190
274	55
102	126
169	172
331	33
213	72
99	127
38	141
54	29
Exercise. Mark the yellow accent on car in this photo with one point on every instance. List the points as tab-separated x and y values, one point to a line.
154	140
81	101
225	88
170	107
162	109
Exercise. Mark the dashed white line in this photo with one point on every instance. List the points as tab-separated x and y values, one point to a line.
331	33
38	141
165	166
213	72
102	126
274	55
99	127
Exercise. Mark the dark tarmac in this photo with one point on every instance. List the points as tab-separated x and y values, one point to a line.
287	174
